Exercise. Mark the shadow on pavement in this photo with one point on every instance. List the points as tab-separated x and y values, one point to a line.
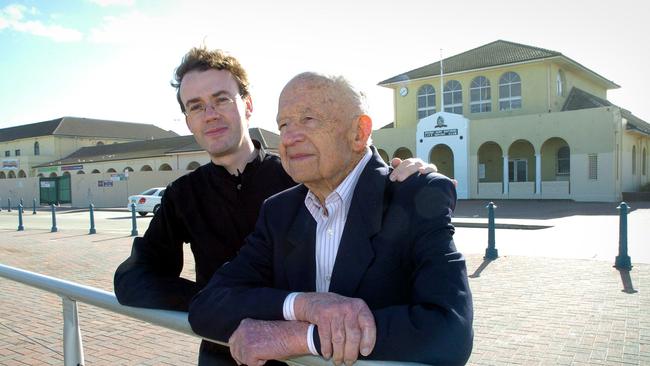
116	238
628	288
480	268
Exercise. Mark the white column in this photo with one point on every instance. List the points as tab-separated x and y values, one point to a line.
538	174
505	174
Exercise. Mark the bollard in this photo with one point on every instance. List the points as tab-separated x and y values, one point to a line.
8	204
34	210
92	220
54	229
491	252
622	259
20	218
134	230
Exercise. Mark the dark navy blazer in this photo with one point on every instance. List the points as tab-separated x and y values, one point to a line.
396	253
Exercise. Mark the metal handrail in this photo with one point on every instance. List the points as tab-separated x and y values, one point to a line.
72	292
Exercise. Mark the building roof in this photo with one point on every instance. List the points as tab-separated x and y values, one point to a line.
497	53
150	148
580	99
85	127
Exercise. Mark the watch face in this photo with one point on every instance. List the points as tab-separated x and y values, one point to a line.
403	91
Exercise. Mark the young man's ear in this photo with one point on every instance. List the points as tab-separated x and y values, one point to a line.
364	129
248	101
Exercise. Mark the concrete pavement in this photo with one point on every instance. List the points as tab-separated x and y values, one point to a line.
552	297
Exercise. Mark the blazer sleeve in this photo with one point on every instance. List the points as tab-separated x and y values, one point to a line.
240	289
150	277
436	326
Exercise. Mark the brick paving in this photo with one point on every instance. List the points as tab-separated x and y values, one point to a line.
529	310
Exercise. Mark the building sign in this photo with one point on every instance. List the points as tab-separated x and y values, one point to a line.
48	169
9	164
118	177
72	167
104	183
47	184
447	132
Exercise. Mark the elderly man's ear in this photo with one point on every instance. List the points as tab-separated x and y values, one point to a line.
364	128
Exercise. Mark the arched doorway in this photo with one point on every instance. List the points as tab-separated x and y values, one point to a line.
403	153
384	155
21	174
521	162
443	157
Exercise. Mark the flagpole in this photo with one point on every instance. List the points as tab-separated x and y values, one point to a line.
442	94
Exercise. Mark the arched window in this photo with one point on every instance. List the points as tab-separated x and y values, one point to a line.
453	95
633	160
193	165
2	175
509	91
480	96
644	160
559	83
95	171
37	148
426	101
146	168
80	172
563	161
111	170
99	143
21	174
11	174
165	167
128	168
53	174
66	173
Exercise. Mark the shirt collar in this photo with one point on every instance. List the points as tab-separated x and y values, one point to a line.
345	190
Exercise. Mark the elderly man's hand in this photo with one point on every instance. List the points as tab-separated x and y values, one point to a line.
408	167
257	341
346	326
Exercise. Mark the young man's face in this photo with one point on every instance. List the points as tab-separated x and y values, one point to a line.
216	114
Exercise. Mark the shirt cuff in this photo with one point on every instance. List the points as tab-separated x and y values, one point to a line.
310	340
287	307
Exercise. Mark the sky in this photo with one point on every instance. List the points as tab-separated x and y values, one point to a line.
114	59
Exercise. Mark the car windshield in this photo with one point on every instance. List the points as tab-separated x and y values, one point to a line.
148	192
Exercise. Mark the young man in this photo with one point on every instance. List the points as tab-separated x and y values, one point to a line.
214	207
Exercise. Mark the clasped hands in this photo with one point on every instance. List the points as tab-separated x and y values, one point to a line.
346	328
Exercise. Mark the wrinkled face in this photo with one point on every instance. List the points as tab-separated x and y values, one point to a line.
216	114
316	131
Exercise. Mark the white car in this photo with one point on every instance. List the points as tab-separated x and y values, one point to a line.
147	201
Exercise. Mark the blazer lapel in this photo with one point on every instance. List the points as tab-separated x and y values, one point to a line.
300	262
355	252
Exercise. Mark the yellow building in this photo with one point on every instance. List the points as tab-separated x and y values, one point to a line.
514	121
27	146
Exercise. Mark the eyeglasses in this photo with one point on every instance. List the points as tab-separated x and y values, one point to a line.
219	104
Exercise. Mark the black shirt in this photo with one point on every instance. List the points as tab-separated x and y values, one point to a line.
211	210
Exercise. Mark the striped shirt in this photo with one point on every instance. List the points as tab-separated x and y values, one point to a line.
330	222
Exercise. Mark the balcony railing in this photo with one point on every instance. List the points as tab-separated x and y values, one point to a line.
71	292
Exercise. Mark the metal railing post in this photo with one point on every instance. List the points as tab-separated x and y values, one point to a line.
92	220
34	210
491	252
623	260
20	218
8	204
134	226
54	228
73	354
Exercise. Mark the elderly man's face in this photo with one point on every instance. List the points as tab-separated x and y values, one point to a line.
317	133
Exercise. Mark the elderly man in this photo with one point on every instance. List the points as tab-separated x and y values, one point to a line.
347	263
